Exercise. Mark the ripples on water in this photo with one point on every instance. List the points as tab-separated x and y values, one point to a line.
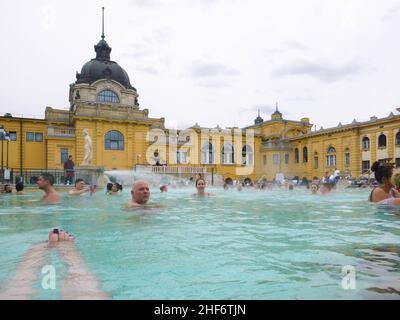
248	245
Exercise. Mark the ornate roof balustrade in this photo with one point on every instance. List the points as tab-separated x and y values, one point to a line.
60	132
276	145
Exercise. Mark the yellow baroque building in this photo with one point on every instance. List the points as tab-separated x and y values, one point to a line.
103	101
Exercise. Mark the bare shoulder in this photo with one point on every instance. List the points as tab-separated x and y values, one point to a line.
378	194
53	198
396	201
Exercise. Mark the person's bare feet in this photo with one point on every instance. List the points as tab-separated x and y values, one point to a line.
56	235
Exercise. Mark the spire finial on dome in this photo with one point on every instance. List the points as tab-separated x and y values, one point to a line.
258	120
276	104
102	35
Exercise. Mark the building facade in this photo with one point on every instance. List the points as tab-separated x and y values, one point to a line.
103	101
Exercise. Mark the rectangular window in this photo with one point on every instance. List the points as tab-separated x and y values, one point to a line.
30	136
286	158
331	161
365	166
64	155
113	145
183	156
315	162
39	137
265	159
276	159
397	162
13	136
347	159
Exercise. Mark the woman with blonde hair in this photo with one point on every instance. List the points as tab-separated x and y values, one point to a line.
396	179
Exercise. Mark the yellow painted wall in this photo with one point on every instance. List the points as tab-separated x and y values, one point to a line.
46	154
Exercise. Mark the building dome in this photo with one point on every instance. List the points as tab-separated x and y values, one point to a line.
258	120
102	67
276	115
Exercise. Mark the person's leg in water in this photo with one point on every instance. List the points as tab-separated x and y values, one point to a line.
80	283
20	285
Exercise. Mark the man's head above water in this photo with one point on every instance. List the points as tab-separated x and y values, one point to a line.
140	192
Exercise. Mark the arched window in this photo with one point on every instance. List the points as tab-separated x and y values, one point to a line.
114	140
107	96
227	154
347	156
207	153
305	154
398	138
296	155
382	141
331	157
247	155
365	143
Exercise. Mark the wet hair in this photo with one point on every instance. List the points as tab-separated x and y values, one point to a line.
5	188
382	170
328	185
163	187
197	181
109	186
19	186
48	177
78	180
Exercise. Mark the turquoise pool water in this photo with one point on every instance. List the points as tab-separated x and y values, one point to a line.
249	245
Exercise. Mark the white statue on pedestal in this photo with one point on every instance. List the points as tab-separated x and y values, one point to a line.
87	160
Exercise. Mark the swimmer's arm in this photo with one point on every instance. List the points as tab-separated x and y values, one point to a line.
77	192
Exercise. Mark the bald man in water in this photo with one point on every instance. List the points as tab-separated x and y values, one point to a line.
140	194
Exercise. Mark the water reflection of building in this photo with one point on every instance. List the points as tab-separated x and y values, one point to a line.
103	100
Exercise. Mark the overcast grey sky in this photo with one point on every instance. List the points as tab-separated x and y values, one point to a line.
211	61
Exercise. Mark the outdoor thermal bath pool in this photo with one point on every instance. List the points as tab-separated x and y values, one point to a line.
249	245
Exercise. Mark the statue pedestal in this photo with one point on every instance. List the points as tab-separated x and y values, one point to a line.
92	175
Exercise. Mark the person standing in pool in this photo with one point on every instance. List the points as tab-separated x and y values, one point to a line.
385	192
140	194
79	188
45	182
19	186
396	179
201	186
8	188
314	188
